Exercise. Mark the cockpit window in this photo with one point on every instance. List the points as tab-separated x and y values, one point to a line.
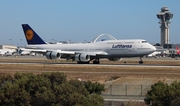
144	41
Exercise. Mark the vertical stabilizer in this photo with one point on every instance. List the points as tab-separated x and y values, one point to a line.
177	48
31	36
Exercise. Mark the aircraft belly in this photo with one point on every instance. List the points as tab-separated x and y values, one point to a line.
125	53
118	52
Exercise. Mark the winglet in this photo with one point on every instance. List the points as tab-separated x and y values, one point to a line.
31	36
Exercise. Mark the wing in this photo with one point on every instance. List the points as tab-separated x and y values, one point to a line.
70	54
42	51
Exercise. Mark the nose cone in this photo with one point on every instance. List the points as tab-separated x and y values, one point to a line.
153	48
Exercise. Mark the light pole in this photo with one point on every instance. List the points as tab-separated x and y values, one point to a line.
52	40
10	41
20	42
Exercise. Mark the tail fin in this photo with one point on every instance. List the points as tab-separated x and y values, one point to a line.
31	36
177	48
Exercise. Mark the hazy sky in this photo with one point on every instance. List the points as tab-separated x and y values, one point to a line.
80	20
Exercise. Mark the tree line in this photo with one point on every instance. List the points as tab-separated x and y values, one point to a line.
163	94
48	89
53	89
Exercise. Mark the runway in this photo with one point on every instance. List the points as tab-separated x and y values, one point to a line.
156	66
151	66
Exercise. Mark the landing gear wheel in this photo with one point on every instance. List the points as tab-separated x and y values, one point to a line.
96	61
140	62
83	62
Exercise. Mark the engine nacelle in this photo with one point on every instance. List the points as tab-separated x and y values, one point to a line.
115	59
82	57
53	55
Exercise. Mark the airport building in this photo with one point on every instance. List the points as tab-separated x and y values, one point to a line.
8	47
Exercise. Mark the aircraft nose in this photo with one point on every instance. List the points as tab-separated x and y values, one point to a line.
153	48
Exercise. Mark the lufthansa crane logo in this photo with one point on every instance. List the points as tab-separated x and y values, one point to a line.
29	34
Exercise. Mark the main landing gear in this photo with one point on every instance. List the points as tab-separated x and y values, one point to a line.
83	62
140	62
96	61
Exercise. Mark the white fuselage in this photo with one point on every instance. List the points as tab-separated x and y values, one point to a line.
114	48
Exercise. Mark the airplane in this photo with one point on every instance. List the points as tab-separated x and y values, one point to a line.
177	51
154	54
83	53
2	52
7	52
24	51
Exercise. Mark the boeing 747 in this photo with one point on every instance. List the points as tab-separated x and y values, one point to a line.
113	50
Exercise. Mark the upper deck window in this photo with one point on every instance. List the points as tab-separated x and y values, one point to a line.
144	41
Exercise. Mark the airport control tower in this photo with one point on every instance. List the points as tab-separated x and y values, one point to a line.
164	19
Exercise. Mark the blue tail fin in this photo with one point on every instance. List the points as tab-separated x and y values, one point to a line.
31	36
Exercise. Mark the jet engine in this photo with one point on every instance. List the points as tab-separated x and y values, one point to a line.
115	59
53	55
82	57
